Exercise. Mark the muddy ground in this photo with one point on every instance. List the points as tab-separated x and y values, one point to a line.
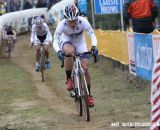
28	104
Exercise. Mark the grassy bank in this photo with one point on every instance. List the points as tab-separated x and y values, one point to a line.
20	107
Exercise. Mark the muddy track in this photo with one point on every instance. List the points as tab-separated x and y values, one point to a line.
23	57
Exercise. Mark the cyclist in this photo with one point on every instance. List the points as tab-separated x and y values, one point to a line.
69	33
41	34
8	30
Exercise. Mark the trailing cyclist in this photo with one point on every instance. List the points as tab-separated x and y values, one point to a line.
7	31
41	35
69	33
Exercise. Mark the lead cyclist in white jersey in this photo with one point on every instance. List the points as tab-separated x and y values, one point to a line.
41	35
68	38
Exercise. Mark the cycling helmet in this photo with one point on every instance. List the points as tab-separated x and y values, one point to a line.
71	12
39	21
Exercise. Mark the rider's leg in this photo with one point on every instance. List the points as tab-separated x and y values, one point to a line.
68	49
85	63
37	48
48	64
82	47
46	51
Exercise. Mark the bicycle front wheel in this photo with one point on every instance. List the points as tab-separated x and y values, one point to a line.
79	106
9	49
78	98
85	104
42	65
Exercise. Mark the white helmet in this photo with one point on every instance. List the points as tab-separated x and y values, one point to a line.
71	12
38	21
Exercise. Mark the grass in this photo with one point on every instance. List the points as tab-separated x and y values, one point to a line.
19	103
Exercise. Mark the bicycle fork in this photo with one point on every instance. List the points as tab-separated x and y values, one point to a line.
78	71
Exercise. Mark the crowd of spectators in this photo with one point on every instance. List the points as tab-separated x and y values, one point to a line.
16	5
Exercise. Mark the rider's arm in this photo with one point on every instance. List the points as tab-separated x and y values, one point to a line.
49	34
32	34
14	33
57	37
90	32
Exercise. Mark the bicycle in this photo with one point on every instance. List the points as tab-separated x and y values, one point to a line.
80	85
42	61
9	45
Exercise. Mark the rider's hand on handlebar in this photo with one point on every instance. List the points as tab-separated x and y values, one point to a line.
94	50
60	55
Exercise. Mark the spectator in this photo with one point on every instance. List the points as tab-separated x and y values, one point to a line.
15	5
28	5
2	7
41	4
142	13
50	3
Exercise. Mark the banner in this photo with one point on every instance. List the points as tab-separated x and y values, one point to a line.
21	21
143	55
107	6
56	11
82	5
132	65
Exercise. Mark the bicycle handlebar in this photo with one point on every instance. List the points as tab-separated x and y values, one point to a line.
79	54
41	44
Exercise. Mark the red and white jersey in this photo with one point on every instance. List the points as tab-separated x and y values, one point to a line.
64	33
44	30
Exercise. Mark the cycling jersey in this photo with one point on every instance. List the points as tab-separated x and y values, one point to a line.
41	35
64	33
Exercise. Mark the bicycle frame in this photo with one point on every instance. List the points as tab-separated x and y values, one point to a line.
80	85
77	69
